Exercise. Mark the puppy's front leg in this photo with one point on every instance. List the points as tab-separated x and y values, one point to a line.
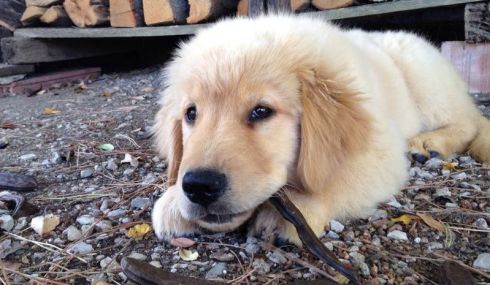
167	220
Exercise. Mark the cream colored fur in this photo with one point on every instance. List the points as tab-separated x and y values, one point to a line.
348	105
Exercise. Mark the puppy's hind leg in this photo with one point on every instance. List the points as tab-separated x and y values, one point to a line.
443	142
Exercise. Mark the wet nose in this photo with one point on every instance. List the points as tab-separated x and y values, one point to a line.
204	186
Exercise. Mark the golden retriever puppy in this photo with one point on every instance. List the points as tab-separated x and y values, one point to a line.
252	105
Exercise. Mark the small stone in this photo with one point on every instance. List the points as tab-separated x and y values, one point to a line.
435	245
86	173
328	245
357	258
217	270
482	261
82	248
155	263
85	220
103	226
128	172
276	257
150	178
417	240
105	262
116	214
6	222
21	224
72	233
111	164
105	205
481	223
336	226
261	266
55	157
397	235
223	256
137	256
379	215
433	163
3	142
251	246
443	192
43	225
394	203
332	235
140	203
445	172
460	176
28	157
364	269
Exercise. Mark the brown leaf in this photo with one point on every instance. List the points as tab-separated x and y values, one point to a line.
107	93
15	266
182	242
50	111
431	222
8	125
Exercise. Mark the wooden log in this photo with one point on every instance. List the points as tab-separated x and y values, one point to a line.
242	8
43	3
202	10
256	8
477	22
11	12
87	13
331	4
32	15
157	12
126	13
298	5
278	6
56	16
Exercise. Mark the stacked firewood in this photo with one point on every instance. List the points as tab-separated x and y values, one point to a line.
134	13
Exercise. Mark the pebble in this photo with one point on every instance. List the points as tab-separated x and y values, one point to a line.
357	258
55	157
155	263
85	220
140	203
443	192
105	205
276	257
251	246
433	163
332	235
28	157
223	256
460	176
86	173
397	235
481	223
364	269
217	270
328	245
336	226
261	266
434	245
72	233
111	164
5	248
137	256
128	172
116	214
82	248
150	178
482	261
6	222
103	226
105	262
21	224
3	142
394	203
379	215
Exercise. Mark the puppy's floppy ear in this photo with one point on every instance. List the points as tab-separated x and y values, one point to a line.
334	126
168	134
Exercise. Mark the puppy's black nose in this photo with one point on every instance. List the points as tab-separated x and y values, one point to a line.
204	186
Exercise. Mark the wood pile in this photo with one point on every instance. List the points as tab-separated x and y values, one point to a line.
134	13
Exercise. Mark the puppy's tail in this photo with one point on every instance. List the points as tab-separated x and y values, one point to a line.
480	146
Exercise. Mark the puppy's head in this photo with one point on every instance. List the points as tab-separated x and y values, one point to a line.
244	114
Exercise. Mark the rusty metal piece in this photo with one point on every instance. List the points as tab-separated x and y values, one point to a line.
17	182
143	273
289	211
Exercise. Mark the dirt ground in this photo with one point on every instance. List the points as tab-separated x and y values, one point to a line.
56	136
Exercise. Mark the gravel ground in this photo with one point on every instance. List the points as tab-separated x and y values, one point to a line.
98	195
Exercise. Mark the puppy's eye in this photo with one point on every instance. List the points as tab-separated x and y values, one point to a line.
260	113
191	114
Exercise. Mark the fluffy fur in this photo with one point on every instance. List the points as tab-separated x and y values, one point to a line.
349	106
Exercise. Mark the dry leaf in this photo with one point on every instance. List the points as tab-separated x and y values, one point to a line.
82	85
431	222
50	111
449	165
107	93
188	255
182	242
128	158
8	125
106	147
15	266
139	231
405	219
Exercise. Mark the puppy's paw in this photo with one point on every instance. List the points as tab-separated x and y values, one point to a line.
167	220
423	148
269	225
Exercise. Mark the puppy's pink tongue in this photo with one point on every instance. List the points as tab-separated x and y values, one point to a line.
292	214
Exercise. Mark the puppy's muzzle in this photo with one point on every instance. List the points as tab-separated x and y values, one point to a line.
204	186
